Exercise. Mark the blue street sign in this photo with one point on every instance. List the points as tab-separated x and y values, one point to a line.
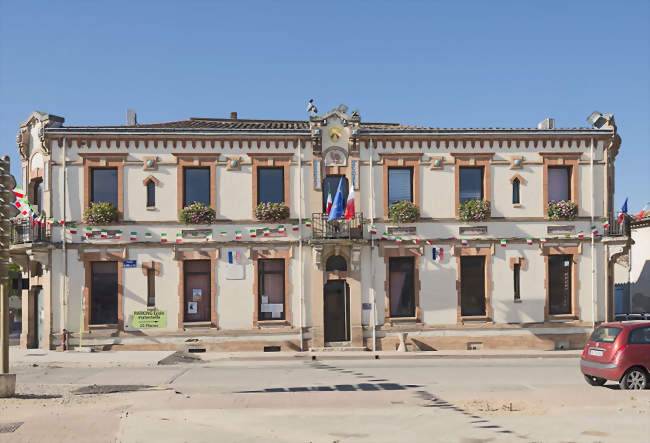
129	263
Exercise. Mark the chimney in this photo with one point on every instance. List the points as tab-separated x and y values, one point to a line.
233	115
131	118
547	123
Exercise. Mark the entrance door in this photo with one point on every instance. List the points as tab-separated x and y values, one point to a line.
559	284
103	293
337	311
198	305
472	286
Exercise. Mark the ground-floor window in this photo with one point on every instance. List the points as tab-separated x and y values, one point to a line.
103	293
401	282
472	286
198	296
559	284
271	289
151	288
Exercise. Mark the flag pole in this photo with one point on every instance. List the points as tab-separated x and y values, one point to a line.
372	254
593	240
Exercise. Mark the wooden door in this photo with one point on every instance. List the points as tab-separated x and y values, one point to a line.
197	305
472	286
559	284
336	311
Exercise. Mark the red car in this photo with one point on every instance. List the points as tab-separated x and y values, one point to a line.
620	352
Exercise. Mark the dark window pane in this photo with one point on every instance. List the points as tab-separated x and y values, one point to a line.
559	179
471	184
639	336
401	287
270	185
516	272
271	289
605	334
104	186
559	288
103	293
472	286
151	288
336	263
330	185
515	191
400	185
38	195
151	194
197	186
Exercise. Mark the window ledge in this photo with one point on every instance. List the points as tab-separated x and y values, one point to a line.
263	323
475	318
151	208
402	319
516	205
101	327
196	324
517	301
563	317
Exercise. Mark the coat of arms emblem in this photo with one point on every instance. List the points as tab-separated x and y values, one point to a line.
335	134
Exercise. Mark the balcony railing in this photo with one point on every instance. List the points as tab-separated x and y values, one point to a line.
617	229
26	232
339	228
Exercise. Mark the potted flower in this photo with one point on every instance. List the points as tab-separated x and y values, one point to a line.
562	210
197	214
403	212
474	210
271	212
101	213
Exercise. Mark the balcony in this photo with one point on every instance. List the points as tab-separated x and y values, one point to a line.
25	232
617	229
339	228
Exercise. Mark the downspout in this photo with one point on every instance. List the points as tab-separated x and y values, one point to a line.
372	254
300	241
593	237
64	283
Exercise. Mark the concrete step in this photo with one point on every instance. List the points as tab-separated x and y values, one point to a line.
338	349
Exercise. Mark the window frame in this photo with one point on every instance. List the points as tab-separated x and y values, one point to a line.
460	181
574	252
210	190
256	256
487	252
400	168
260	184
389	253
569	173
412	160
462	159
516	280
92	184
151	288
516	191
151	194
264	160
561	159
196	160
98	161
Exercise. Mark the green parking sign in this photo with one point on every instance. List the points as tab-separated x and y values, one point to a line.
149	319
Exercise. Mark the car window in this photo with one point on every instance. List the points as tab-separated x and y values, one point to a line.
639	336
605	334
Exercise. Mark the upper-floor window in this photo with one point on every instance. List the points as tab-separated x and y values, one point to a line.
400	185
38	194
515	191
196	186
559	183
330	186
270	185
471	184
151	194
104	186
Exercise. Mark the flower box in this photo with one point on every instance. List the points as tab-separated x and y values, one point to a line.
474	211
403	212
562	210
102	213
197	214
271	212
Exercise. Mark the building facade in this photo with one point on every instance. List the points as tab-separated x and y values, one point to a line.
513	278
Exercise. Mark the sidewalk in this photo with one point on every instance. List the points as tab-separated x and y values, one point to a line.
19	356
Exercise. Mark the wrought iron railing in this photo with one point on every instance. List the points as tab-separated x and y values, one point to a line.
616	229
339	228
27	232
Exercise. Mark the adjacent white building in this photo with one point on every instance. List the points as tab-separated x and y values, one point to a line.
514	278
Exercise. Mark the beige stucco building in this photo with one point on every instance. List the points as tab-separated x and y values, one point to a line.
448	283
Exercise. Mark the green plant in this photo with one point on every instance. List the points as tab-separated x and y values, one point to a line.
562	210
101	213
403	212
474	210
271	212
197	214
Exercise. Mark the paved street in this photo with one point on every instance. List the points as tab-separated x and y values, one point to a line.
450	399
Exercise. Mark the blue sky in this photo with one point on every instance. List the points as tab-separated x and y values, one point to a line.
446	64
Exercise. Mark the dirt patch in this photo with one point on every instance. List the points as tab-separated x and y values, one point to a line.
179	358
500	407
109	389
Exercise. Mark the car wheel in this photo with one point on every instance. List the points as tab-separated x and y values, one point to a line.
595	381
634	378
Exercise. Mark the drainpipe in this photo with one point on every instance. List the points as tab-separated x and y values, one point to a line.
372	254
64	283
300	240
593	236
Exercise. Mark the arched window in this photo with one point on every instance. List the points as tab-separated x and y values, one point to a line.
515	191
151	194
38	195
336	263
